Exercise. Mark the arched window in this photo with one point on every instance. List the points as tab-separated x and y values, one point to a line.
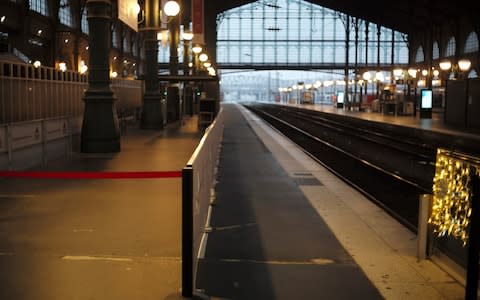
419	56
126	49
84	21
135	46
472	74
471	44
114	39
451	45
435	51
65	13
39	6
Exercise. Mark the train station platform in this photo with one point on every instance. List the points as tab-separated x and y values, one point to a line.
283	227
116	237
435	124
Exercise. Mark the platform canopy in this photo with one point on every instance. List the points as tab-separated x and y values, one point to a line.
404	16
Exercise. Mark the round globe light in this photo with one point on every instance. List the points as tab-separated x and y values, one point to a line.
367	75
136	8
464	64
197	49
187	35
203	57
412	73
398	72
445	65
171	8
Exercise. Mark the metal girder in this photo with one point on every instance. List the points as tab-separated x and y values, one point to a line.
178	78
405	16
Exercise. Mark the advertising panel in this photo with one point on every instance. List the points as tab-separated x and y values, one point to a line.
3	139
26	134
426	99
127	13
56	129
340	99
426	103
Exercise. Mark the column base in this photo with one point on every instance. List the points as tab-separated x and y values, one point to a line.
152	112
100	131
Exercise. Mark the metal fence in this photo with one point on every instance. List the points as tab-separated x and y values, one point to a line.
30	93
27	144
41	109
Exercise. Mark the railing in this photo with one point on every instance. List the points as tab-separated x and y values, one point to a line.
197	188
29	93
27	144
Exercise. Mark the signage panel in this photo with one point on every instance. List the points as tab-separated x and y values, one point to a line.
426	99
127	14
198	21
26	134
340	97
56	129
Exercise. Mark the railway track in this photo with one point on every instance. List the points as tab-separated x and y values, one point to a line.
390	172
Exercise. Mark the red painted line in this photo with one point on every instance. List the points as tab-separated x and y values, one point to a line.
90	175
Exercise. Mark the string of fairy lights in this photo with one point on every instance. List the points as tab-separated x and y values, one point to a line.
451	207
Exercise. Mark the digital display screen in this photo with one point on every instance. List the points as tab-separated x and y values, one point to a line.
340	97
426	99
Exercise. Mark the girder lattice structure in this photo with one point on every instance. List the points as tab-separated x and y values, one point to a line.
302	35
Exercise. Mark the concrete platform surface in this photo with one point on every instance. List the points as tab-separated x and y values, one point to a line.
283	227
98	239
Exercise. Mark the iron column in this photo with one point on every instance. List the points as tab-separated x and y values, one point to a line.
152	117
100	131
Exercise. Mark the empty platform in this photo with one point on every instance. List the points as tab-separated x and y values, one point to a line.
283	227
101	238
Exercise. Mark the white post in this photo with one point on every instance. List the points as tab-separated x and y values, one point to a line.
423	215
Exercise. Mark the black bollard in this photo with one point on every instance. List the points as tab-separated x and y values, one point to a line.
187	231
471	289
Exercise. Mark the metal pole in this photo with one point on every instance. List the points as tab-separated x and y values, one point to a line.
187	231
471	289
347	48
173	100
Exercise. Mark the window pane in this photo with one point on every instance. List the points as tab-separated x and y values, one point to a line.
84	21
65	13
299	32
450	51
39	6
471	44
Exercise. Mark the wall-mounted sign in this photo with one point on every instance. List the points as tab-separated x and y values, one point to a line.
198	22
127	13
